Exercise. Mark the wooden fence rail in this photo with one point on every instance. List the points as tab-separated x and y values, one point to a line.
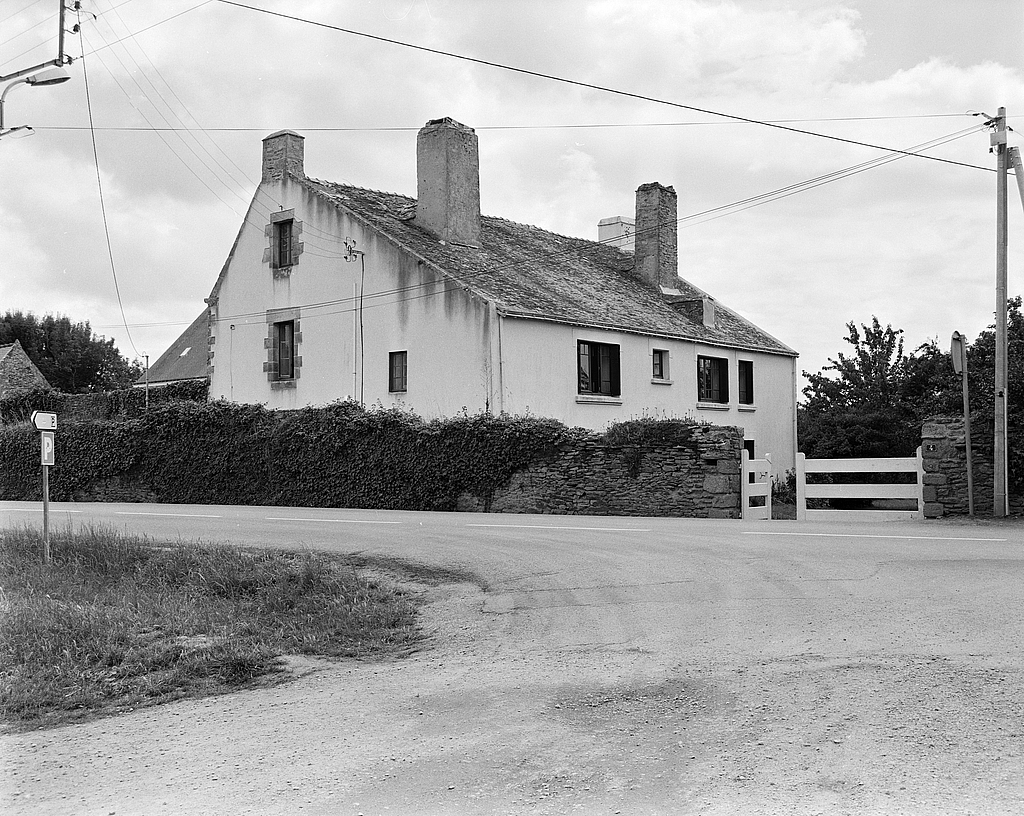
806	491
756	480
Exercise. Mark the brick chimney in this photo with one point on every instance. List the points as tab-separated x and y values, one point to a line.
655	257
282	155
448	181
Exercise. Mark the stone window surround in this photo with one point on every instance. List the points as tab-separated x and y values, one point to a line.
282	270
275	316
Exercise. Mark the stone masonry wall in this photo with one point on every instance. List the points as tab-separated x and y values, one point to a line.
700	480
944	450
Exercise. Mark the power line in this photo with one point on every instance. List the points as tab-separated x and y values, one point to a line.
685	221
699	217
149	27
22	9
103	207
554	126
591	86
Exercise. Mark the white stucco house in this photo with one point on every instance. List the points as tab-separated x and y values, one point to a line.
336	292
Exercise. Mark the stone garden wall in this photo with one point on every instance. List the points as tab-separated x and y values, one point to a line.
700	479
944	450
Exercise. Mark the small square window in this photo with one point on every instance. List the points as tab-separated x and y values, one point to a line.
713	380
659	364
598	368
398	371
746	376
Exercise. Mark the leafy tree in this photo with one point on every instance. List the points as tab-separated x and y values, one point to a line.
873	402
871	405
69	355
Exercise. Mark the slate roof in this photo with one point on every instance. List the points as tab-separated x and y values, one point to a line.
17	371
185	359
528	272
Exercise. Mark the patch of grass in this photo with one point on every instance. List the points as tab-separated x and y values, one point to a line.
117	621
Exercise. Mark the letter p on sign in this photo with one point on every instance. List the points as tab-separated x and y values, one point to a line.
46	437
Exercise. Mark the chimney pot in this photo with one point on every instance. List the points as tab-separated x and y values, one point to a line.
655	256
283	155
617	232
448	181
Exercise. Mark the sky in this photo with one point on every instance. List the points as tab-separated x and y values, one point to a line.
174	98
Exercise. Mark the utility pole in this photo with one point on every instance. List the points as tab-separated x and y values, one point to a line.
999	458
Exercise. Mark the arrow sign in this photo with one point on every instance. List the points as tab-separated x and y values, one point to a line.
46	437
44	420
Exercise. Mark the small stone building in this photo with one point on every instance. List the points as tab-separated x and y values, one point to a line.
17	372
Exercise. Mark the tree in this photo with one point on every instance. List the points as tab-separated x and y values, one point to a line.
875	401
69	355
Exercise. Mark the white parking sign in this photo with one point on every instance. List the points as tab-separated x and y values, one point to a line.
47	447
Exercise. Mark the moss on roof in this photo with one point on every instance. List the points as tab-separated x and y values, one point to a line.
529	272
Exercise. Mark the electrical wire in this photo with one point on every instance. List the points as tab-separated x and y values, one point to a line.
103	206
589	85
565	126
26	31
686	221
22	10
150	27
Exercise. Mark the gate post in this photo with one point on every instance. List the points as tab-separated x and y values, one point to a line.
801	487
920	483
744	483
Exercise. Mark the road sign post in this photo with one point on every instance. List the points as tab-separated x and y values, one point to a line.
958	353
46	424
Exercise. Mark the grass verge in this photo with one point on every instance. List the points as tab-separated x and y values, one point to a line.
118	622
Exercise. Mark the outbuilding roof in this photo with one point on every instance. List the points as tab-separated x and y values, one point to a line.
186	359
529	272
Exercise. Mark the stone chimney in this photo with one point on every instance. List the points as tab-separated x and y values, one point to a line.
282	155
617	232
700	310
448	181
655	257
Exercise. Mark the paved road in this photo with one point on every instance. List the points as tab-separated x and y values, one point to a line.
641	665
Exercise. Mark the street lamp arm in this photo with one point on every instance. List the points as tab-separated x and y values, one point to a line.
31	70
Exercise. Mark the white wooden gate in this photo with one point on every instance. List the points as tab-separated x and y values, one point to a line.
806	491
756	480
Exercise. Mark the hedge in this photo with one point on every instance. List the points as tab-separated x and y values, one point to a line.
125	403
335	456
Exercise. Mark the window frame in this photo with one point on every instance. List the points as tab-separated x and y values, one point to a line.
712	380
607	357
284	349
660	370
398	381
283	246
288	376
745	382
282	243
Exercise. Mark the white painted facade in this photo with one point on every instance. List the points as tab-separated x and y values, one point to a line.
463	353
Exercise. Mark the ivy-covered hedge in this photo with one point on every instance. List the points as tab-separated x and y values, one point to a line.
101	405
336	456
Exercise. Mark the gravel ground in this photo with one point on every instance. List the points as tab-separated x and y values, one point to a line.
761	680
